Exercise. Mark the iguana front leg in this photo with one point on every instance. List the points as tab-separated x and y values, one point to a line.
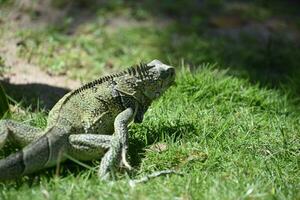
17	133
118	144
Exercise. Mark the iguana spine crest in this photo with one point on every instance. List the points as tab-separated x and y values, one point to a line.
134	70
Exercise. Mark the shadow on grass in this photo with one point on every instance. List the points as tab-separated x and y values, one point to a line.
34	95
255	40
258	40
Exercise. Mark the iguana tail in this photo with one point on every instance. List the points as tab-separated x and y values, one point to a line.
44	152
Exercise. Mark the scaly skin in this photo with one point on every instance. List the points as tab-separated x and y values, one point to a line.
88	123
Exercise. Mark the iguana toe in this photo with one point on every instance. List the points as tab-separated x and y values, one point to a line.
124	161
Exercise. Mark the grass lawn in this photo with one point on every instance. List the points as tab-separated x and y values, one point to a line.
231	140
232	129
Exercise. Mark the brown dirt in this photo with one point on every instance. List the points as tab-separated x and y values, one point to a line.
22	80
20	71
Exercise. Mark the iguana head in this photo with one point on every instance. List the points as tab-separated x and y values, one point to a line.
145	82
158	78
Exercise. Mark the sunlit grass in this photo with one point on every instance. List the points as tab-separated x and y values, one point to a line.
229	134
230	139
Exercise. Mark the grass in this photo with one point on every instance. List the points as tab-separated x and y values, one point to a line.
101	51
232	140
233	133
98	46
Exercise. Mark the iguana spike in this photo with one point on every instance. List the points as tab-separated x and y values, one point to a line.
137	70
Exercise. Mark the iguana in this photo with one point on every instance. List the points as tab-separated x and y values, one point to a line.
88	123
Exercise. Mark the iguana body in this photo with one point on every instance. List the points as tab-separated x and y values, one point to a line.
87	123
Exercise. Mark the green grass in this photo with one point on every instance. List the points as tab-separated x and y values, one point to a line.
234	134
96	46
92	51
232	140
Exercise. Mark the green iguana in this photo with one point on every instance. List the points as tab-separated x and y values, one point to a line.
88	123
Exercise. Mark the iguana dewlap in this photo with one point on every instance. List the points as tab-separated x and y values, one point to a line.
88	123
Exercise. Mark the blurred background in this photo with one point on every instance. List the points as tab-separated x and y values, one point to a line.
64	42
